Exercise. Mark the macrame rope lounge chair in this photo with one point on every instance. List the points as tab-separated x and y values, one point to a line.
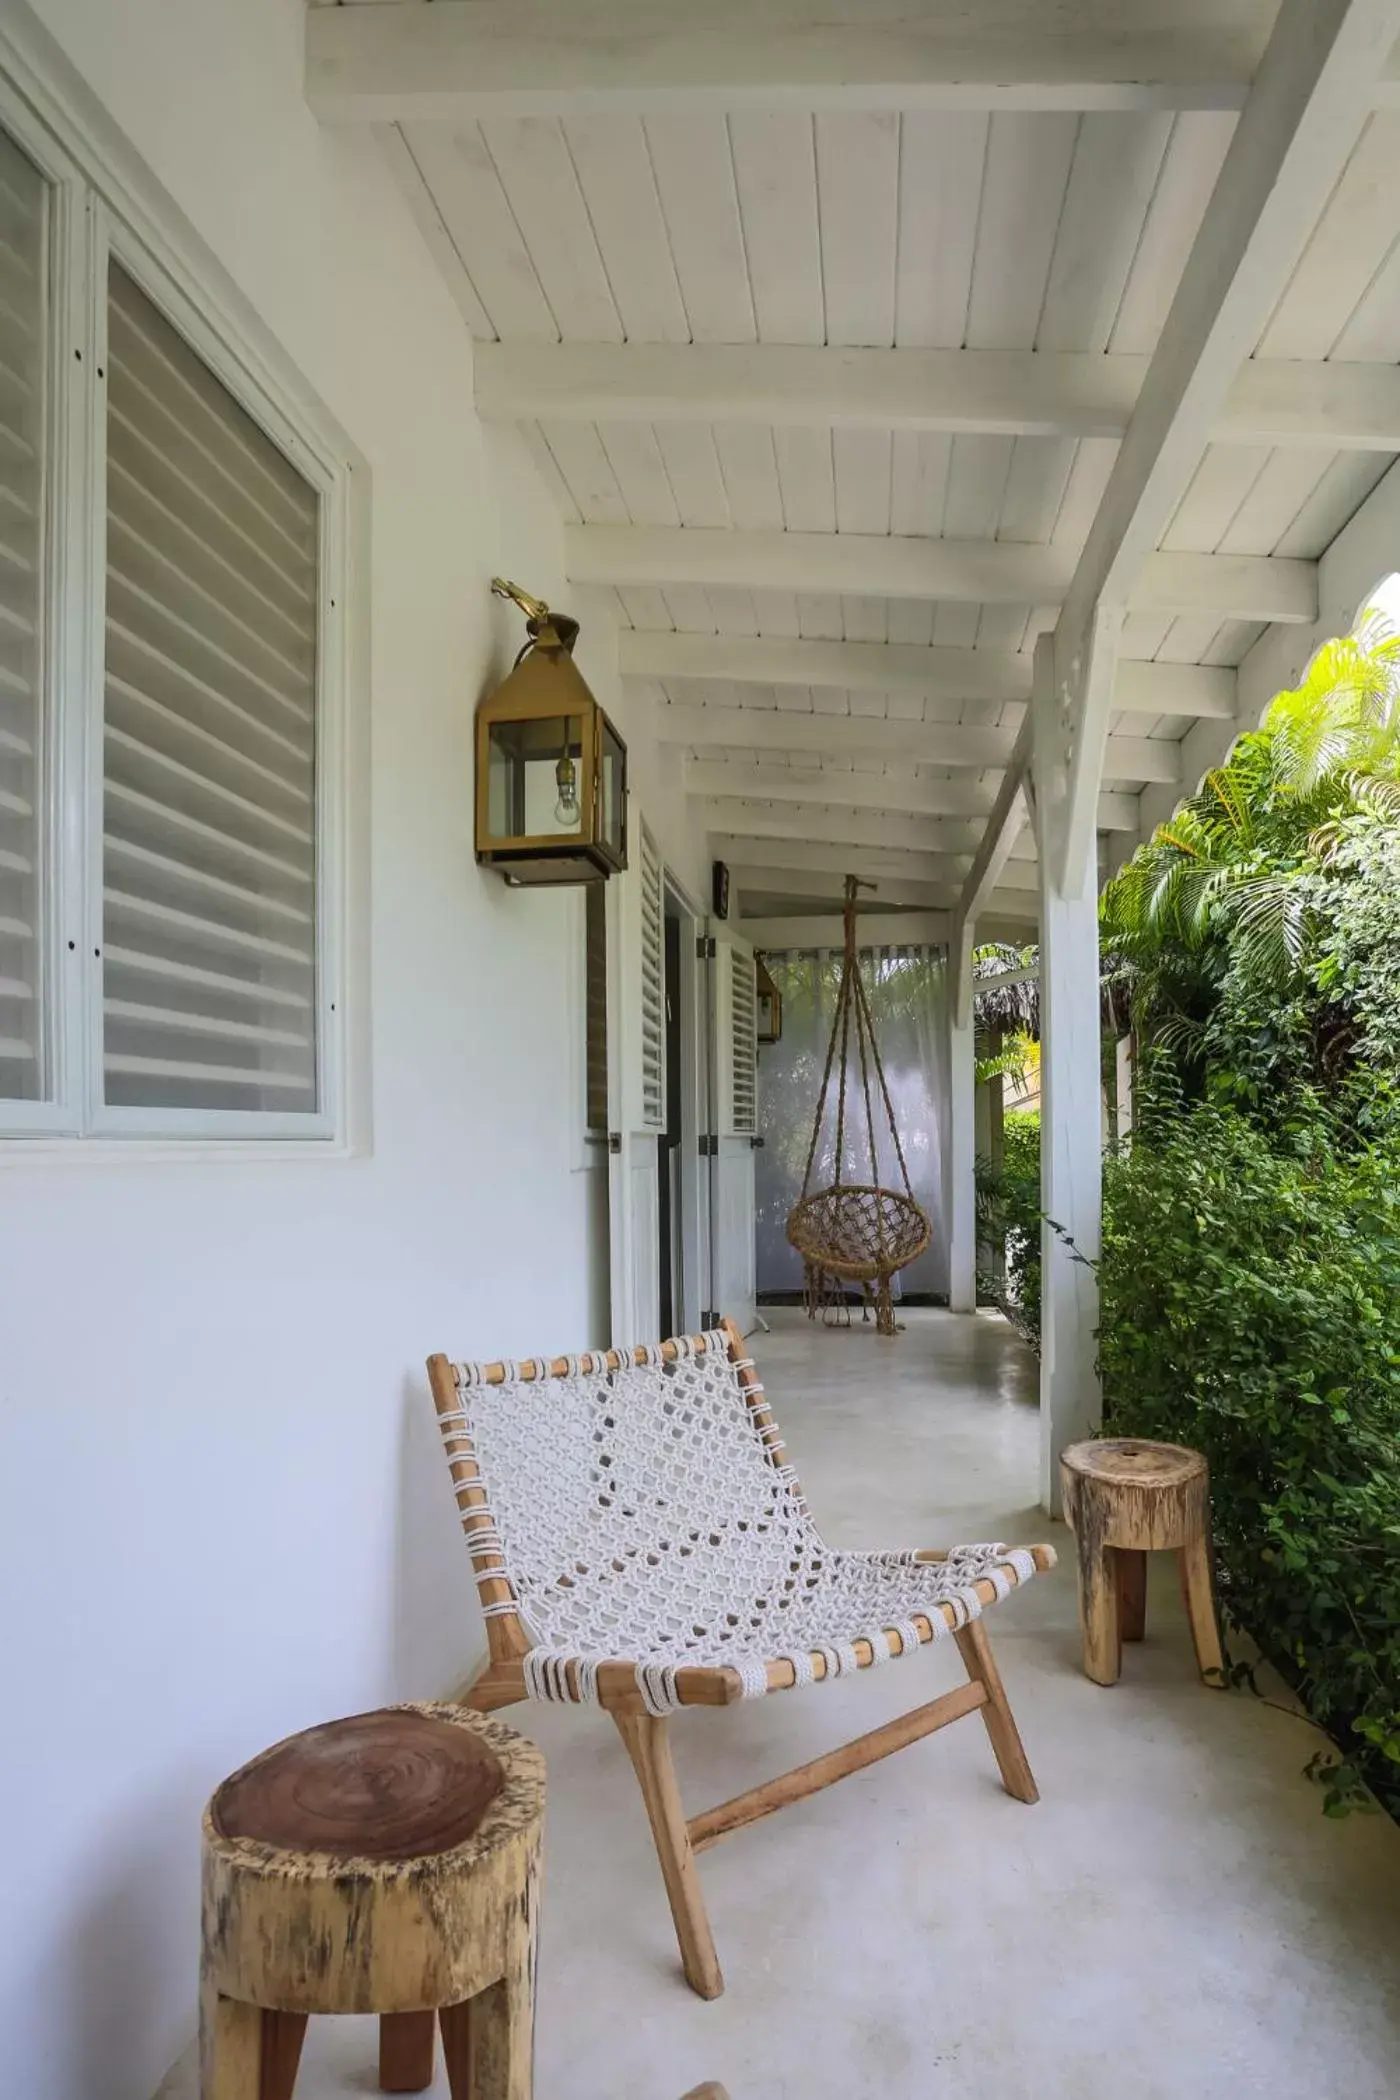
641	1542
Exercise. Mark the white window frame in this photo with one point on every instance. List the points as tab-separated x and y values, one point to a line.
106	205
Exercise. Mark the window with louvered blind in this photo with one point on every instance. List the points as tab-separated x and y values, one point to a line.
24	472
209	721
176	522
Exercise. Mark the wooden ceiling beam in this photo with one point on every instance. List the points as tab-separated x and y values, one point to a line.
1197	690
979	572
386	63
944	744
1336	407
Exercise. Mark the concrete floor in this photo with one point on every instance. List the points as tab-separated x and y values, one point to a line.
1175	1921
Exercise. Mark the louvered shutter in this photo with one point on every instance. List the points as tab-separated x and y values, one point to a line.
653	984
209	772
595	978
23	474
739	1043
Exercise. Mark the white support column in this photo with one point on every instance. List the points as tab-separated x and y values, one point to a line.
1071	1153
960	1162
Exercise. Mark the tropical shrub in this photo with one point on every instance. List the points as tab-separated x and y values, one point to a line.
1008	1216
1249	1284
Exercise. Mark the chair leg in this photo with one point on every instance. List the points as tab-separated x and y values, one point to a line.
1198	1593
407	2044
1007	1748
1098	1608
1132	1592
649	1747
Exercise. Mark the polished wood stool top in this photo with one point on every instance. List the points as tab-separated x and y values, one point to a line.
385	1863
1126	1497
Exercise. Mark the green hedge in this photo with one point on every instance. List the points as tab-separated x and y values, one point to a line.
1008	1215
1250	1307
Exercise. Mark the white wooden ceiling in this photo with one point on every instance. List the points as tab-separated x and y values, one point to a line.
996	229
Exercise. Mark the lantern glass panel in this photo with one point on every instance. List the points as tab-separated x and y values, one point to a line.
535	778
612	792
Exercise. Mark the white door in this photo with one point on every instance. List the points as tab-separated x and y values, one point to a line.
734	1100
636	1089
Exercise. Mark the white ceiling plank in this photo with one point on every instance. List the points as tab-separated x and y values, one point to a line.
970	571
547	467
806	478
647	610
695	180
1212	498
586	468
733	612
1190	168
381	63
1289	147
910	623
941	159
977	474
1004	827
1275	500
775	169
692	468
750	471
1350	241
537	174
619	187
819	619
1117	160
865	620
458	169
689	607
431	224
861	464
858	185
1023	190
777	614
822	822
1036	484
919	463
635	458
1340	493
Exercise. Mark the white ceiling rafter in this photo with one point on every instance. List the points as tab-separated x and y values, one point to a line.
979	572
1335	406
383	63
1141	688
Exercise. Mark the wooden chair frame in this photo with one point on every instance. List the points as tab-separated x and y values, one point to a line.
647	1738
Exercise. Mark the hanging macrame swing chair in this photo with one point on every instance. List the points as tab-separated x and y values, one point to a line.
855	1231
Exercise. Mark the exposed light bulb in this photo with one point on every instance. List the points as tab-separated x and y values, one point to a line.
566	780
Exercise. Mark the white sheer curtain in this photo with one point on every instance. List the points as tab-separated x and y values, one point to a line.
908	991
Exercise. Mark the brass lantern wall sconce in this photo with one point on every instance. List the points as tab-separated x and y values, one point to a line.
551	771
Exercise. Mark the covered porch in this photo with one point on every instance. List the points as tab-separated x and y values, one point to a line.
1173	1917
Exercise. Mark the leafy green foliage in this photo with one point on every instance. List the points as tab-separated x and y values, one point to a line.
1008	1216
1248	1287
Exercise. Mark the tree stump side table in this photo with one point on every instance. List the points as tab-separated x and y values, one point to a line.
387	1863
1125	1498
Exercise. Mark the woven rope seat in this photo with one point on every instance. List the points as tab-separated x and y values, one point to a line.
855	1231
640	1542
858	1232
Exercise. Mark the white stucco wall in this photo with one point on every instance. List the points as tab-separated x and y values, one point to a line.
222	1513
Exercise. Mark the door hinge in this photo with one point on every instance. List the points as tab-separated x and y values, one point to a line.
709	1147
709	1318
614	1141
705	947
756	1144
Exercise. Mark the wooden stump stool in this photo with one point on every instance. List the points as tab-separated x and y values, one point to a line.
1123	1500
386	1864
